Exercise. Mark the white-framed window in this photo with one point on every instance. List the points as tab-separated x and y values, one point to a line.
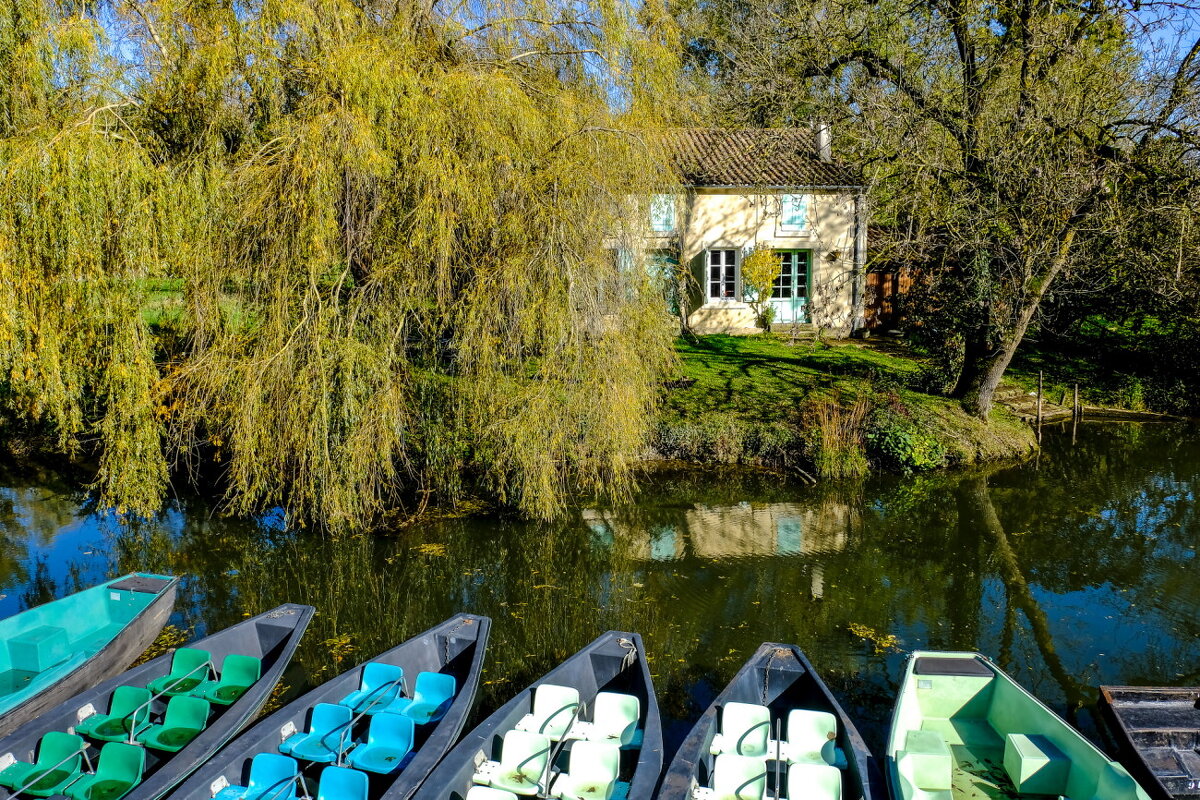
662	213
793	212
722	275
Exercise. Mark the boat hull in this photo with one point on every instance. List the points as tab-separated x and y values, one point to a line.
1158	732
120	651
456	646
603	665
271	636
780	677
961	719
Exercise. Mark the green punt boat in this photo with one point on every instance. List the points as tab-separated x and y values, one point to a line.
963	730
60	648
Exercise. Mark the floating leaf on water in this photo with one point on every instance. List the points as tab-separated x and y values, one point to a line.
880	641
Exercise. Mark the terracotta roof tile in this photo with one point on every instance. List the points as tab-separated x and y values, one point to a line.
755	157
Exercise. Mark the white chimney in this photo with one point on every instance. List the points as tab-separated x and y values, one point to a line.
824	146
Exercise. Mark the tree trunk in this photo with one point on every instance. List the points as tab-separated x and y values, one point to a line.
984	367
983	372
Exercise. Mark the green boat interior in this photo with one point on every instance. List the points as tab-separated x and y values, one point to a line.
963	730
110	750
48	641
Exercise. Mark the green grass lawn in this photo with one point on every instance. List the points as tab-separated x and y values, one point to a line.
766	378
746	399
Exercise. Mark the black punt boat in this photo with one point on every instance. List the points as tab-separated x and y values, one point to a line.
774	691
268	639
454	648
1158	732
590	690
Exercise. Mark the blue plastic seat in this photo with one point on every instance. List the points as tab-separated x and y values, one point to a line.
328	735
389	741
272	777
432	696
380	686
339	783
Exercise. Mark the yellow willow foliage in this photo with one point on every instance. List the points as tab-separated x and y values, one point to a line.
78	233
403	250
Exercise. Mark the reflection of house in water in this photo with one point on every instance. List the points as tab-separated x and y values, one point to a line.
743	531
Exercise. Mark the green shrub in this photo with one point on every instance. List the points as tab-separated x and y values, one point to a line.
725	439
896	442
765	317
1133	395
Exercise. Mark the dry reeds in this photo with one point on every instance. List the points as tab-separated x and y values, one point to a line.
836	443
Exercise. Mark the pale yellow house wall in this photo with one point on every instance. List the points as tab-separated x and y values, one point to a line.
720	218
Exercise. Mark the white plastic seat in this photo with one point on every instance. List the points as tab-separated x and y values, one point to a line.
523	758
811	737
814	782
488	793
739	778
614	718
591	772
554	707
745	728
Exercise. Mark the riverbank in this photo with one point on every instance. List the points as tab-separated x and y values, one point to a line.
828	408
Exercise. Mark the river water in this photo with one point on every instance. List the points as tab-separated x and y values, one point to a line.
1074	569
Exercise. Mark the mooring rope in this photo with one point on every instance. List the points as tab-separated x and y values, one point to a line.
776	651
631	653
450	633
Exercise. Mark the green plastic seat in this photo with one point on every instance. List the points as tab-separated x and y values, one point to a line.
739	778
185	718
128	710
744	730
615	718
58	763
523	758
119	769
14	774
811	737
238	674
189	669
554	708
591	772
926	762
814	782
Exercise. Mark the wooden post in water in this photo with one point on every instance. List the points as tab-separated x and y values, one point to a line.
1039	407
1075	415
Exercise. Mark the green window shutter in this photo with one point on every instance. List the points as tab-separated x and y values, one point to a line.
793	212
662	213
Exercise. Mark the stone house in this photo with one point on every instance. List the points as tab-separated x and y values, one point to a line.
762	188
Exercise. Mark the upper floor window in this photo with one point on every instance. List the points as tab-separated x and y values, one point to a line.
793	212
662	213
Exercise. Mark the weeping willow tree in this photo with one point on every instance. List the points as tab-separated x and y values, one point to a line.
387	232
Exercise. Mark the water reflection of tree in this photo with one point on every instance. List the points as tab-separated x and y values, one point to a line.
978	513
974	561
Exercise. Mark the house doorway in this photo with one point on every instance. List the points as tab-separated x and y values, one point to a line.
789	294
